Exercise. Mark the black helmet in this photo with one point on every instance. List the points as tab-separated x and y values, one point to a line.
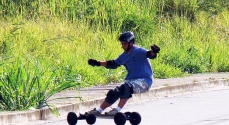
126	36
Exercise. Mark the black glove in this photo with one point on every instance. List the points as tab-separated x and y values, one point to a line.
94	62
155	48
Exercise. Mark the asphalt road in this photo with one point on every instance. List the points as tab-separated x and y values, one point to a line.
210	107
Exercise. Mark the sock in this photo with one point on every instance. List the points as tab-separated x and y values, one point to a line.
100	110
118	109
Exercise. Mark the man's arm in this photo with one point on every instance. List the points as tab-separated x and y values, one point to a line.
108	64
152	54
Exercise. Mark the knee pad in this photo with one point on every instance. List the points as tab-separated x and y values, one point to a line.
126	91
112	96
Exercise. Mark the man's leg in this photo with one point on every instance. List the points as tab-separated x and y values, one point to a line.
122	91
122	102
125	94
104	105
112	97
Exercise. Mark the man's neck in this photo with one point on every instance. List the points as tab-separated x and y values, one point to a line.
130	50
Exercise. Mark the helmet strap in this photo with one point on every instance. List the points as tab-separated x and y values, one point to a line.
129	47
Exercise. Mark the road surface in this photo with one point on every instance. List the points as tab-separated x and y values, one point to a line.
210	107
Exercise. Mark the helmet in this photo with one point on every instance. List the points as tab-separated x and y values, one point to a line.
126	36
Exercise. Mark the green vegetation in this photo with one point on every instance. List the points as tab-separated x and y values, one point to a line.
45	45
28	86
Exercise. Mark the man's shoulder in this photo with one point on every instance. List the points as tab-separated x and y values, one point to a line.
139	49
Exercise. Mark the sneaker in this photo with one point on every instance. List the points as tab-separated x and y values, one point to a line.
112	112
93	112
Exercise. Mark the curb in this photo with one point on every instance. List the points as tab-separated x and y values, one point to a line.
9	118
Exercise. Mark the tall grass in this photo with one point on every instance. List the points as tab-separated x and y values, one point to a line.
62	35
25	85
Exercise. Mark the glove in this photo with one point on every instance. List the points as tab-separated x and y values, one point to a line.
155	48
94	62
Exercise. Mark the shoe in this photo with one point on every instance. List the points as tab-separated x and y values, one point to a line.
112	112
93	112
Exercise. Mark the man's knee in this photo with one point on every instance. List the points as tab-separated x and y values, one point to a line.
126	91
112	96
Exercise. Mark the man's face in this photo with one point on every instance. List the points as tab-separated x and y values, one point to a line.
125	45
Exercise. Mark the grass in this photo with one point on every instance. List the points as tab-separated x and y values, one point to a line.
27	85
46	44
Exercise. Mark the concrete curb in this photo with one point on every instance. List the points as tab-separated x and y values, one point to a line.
9	118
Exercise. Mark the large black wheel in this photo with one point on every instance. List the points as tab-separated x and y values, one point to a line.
91	119
128	114
72	118
135	118
120	119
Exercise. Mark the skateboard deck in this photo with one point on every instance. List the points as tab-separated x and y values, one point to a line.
103	116
119	118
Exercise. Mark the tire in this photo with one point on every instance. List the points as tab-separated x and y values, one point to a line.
135	118
91	119
128	114
72	118
120	119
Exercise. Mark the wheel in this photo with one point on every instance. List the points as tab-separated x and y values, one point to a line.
135	118
90	119
128	114
72	118
120	119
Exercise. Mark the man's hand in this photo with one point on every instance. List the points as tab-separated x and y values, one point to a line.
155	48
94	62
